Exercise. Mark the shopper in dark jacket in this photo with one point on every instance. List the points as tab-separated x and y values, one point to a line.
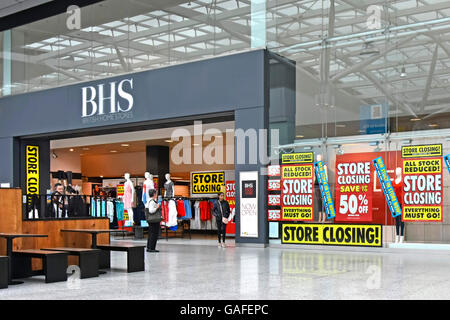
153	228
221	210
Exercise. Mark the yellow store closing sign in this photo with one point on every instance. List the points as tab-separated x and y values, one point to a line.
208	182
301	157
431	150
333	234
32	169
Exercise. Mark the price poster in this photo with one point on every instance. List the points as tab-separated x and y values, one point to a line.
354	188
422	183
297	187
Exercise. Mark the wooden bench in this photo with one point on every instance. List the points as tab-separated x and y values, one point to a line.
54	264
88	259
135	255
4	267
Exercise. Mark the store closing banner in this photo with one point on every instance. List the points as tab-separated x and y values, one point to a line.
208	182
333	234
386	185
325	190
422	184
354	187
297	186
32	170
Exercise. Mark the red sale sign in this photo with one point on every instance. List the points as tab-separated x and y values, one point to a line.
274	215
273	200
273	185
273	171
354	188
230	195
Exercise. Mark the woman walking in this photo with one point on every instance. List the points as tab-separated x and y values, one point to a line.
221	210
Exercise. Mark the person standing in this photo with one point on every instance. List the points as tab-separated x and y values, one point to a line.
221	210
153	227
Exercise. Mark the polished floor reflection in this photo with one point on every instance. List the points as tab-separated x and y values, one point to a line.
193	271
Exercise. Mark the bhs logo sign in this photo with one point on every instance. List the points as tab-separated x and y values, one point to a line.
99	104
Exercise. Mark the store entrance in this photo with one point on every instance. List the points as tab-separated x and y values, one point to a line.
187	166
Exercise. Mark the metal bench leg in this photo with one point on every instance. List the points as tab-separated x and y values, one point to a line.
21	267
4	267
55	268
89	263
135	259
105	259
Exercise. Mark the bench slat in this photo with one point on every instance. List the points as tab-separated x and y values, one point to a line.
124	245
72	250
36	252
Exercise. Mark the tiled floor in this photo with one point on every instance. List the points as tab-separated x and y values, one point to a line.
199	270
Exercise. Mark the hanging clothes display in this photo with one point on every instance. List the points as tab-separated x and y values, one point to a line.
120	211
139	212
206	210
187	210
197	221
110	210
181	212
98	207
172	221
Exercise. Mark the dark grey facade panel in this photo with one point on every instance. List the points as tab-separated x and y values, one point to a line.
211	86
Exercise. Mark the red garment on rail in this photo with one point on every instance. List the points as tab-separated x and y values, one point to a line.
180	208
165	211
206	210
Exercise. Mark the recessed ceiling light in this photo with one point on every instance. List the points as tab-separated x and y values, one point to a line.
113	151
415	119
71	150
101	176
299	136
125	145
169	141
433	125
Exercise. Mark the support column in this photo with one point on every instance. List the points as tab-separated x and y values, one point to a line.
251	120
158	162
6	87
258	23
9	161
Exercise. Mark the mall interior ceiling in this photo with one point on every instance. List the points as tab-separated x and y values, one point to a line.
406	66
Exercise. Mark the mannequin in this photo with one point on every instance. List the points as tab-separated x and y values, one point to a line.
398	188
128	196
168	187
147	186
318	194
